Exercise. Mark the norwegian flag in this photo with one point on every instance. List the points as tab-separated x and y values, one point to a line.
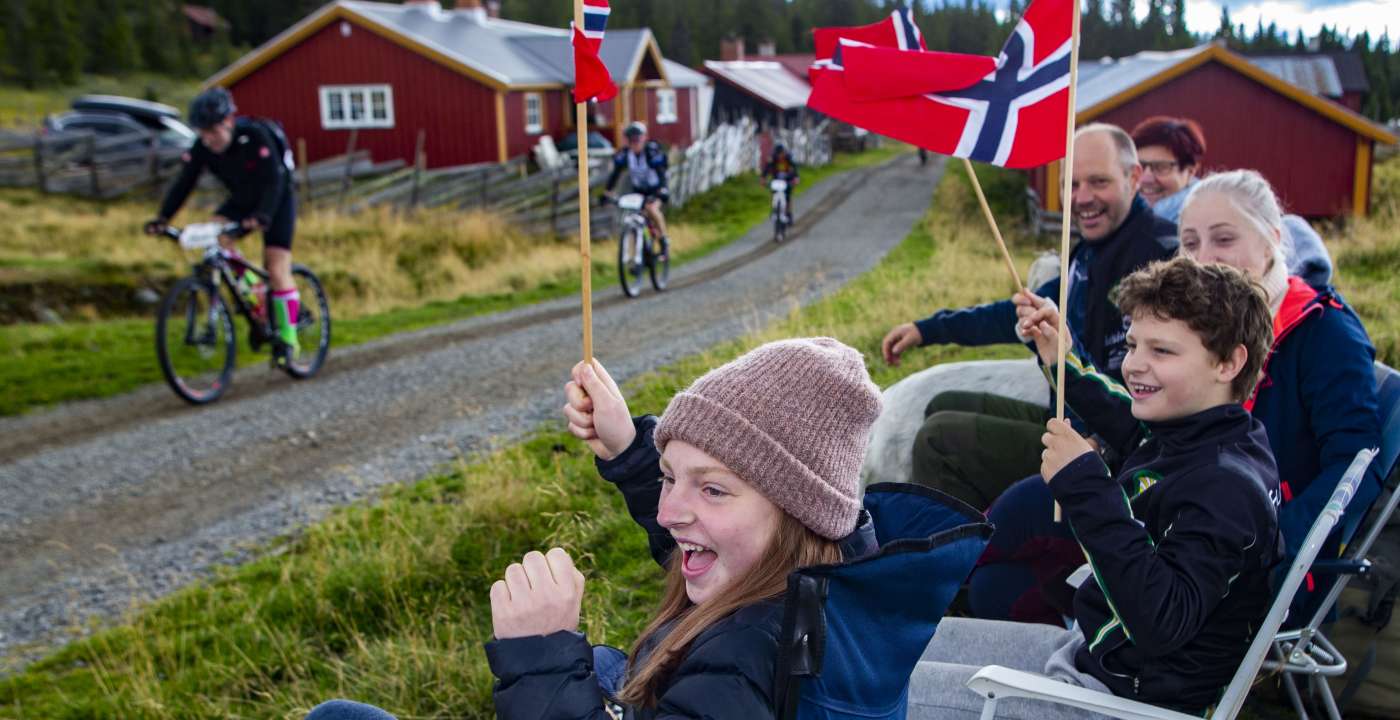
1009	110
591	78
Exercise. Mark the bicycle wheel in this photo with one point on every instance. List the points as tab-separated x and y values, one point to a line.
779	227
629	273
659	263
195	342
313	325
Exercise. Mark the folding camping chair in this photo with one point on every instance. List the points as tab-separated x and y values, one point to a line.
852	632
996	683
1306	651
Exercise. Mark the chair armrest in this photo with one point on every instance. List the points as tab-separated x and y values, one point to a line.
996	682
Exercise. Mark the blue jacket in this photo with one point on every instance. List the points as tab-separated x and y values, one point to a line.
1317	401
1097	325
1181	557
728	671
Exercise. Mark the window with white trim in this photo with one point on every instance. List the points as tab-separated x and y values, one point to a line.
666	106
534	113
357	106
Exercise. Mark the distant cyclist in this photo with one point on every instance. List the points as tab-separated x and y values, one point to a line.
781	166
246	156
645	164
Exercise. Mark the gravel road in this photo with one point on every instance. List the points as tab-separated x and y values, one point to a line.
125	499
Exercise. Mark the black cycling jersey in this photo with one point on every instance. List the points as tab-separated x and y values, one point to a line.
250	167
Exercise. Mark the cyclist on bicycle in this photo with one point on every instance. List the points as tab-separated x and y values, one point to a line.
244	154
781	166
645	165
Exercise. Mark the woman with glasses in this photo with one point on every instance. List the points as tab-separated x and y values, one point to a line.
1170	152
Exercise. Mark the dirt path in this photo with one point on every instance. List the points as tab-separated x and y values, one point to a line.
127	498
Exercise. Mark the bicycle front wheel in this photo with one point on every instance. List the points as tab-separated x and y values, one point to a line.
313	325
629	271
195	341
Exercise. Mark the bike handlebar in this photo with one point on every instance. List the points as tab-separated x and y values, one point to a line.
232	229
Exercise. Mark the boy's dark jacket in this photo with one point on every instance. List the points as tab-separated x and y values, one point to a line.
1181	568
1098	327
730	665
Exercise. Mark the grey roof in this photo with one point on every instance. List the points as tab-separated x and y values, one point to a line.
766	80
513	53
1315	73
682	76
1103	79
1351	71
620	49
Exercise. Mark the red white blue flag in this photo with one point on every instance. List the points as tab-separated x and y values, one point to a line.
1009	110
591	78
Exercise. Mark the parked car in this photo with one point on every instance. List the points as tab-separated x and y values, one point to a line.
110	116
596	143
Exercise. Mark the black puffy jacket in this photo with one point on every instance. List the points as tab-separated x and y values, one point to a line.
729	671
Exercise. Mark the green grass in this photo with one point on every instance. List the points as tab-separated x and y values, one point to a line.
46	364
26	108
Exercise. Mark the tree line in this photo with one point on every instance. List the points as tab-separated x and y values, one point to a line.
56	41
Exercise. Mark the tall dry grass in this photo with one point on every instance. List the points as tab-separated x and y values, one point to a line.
370	262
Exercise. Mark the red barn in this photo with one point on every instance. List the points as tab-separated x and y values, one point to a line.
482	89
1316	152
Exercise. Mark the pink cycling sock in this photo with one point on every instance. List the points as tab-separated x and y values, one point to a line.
288	304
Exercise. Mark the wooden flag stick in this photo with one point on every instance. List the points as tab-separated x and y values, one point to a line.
992	221
585	245
1066	203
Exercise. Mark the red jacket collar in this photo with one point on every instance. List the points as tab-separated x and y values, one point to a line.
1299	302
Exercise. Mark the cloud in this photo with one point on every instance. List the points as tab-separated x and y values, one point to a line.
1348	16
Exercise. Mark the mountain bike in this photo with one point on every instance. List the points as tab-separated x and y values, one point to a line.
195	340
781	219
638	248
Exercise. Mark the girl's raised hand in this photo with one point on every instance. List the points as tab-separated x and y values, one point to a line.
540	595
597	412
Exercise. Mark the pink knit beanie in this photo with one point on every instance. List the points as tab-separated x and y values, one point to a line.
792	418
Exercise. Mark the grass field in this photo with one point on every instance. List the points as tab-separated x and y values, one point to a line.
384	272
23	108
386	602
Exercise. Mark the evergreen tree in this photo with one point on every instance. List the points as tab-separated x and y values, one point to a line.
154	35
115	50
1153	35
1181	36
25	53
1226	30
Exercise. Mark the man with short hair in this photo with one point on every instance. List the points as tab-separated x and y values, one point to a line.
645	164
974	445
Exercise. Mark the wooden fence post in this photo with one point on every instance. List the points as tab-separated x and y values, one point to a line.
153	160
39	163
485	196
418	161
554	202
305	172
349	165
96	188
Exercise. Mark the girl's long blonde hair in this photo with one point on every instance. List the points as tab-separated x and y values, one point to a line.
793	546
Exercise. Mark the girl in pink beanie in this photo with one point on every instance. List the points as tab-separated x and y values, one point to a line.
759	461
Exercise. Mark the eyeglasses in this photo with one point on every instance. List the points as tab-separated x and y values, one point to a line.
1159	167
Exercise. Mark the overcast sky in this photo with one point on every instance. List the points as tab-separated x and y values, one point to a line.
1354	15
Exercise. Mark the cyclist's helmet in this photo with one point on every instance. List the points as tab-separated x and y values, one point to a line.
210	107
779	149
635	129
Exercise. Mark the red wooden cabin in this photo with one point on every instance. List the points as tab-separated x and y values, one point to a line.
482	89
1316	152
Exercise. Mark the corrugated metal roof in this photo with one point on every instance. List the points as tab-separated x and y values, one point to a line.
1315	73
766	80
1103	79
514	53
682	76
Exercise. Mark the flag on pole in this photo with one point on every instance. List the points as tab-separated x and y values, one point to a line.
1009	110
591	78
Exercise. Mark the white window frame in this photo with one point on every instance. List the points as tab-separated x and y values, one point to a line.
537	126
347	94
667	106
